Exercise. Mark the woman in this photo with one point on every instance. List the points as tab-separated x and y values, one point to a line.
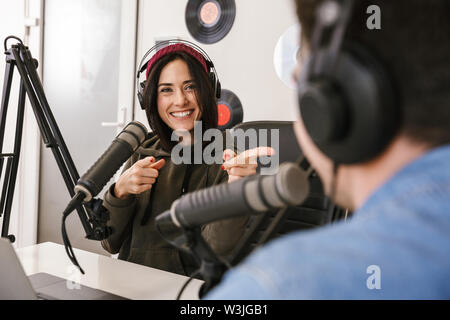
177	93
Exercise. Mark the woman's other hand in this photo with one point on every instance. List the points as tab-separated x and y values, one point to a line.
244	164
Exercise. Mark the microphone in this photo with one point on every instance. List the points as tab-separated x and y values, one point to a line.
250	195
122	148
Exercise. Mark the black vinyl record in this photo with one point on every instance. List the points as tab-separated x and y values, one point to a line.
230	110
209	21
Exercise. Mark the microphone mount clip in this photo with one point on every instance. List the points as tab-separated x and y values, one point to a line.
98	218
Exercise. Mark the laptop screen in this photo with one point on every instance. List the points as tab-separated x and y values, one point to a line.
14	283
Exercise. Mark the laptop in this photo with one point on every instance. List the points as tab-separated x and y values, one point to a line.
15	285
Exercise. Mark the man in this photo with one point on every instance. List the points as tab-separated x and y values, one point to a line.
397	244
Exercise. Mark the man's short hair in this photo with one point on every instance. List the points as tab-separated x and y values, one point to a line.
413	43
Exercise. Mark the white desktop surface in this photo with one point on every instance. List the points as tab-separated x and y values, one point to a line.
119	277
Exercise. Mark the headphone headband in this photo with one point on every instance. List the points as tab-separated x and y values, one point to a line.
163	44
178	47
324	56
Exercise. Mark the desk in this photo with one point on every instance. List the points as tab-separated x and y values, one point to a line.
119	277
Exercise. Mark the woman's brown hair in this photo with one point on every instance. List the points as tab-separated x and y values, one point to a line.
204	93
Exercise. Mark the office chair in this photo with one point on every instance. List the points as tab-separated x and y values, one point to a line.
314	211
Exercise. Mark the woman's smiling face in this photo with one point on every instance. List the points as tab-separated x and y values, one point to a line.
177	100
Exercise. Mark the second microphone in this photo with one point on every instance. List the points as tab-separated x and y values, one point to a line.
251	195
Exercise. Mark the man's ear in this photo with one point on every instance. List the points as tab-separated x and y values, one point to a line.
303	52
302	56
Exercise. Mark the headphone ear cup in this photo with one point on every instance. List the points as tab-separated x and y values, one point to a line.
352	114
324	111
140	94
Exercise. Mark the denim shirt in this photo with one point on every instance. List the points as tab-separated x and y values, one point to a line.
396	246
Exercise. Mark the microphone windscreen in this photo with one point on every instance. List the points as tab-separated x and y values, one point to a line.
292	184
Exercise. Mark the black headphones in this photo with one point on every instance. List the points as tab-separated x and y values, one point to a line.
212	73
346	98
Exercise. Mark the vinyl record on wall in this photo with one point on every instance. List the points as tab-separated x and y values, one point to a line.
230	110
209	21
286	53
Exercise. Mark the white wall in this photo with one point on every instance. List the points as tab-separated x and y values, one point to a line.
243	59
81	82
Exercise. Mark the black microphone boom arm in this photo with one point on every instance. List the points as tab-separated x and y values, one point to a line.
93	218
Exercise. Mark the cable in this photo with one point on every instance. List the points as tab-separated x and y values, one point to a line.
69	250
178	244
331	198
11	37
196	273
179	247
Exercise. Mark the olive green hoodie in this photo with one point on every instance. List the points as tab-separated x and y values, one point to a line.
138	241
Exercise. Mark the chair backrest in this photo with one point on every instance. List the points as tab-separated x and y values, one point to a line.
287	147
314	211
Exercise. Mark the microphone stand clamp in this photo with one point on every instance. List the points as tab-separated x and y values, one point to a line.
98	218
